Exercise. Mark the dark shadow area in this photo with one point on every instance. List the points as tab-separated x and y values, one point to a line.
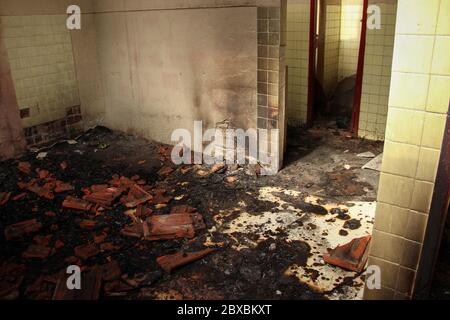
440	288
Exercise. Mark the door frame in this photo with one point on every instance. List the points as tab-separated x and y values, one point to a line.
359	72
312	61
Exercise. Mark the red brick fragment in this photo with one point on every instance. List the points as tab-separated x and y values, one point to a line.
137	196
111	271
160	198
36	252
44	191
108	246
86	251
105	197
99	238
183	209
59	244
165	171
19	196
4	197
217	167
164	227
63	187
351	256
87	224
42	240
24	167
170	262
77	204
43	174
20	229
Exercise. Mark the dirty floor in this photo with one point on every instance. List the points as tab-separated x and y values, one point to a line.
269	233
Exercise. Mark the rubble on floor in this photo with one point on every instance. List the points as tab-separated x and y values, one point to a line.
351	256
138	226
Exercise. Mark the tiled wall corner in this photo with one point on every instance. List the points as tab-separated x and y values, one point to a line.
271	70
297	58
377	74
418	106
42	65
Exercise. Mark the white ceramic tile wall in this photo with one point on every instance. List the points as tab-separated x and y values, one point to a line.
377	74
298	21
42	65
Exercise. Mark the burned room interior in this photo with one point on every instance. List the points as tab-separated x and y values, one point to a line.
350	180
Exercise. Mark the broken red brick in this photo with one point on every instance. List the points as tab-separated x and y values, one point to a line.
77	204
163	227
20	229
19	196
105	197
44	191
159	197
4	197
43	174
99	238
185	170
231	179
217	167
137	196
111	271
108	246
9	288
170	262
143	212
36	252
24	167
183	209
42	240
134	230
165	171
90	288
86	251
202	173
63	187
87	224
59	244
351	256
98	188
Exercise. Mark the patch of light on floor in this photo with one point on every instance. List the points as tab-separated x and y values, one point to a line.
319	231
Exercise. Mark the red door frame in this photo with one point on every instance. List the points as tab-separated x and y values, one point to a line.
359	72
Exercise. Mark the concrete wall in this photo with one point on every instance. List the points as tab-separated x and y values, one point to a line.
161	70
148	67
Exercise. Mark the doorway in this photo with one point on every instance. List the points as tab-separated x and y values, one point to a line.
336	65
